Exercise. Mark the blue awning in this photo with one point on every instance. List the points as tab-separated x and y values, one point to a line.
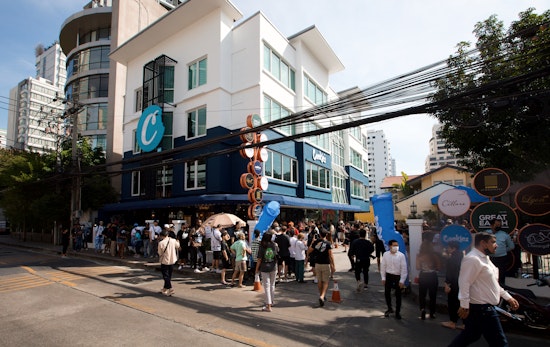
474	196
215	199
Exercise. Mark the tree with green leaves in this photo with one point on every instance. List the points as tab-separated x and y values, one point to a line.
494	104
35	189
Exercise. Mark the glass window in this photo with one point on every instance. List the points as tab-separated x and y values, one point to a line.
196	123
164	178
168	77
313	92
197	74
136	183
195	175
281	167
278	68
277	166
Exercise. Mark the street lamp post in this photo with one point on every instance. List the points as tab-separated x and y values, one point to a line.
414	210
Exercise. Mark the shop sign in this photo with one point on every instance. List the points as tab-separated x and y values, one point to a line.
319	156
533	200
535	239
150	129
456	233
491	182
454	202
483	213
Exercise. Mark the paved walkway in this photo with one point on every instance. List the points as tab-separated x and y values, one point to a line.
345	279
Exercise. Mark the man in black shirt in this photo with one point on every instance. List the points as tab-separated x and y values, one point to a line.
324	264
362	249
353	235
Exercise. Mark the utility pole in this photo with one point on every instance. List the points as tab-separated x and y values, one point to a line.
76	181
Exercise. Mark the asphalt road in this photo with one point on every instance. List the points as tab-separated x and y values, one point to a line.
46	300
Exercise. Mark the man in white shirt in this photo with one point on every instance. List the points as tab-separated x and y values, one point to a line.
216	245
479	291
154	233
393	270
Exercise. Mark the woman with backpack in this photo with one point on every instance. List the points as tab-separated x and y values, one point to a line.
266	265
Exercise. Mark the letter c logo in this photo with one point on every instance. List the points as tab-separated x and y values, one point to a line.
150	129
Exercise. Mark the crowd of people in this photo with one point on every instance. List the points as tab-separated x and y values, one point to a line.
286	251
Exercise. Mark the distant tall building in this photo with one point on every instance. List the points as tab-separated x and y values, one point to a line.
379	162
50	65
3	134
34	120
439	155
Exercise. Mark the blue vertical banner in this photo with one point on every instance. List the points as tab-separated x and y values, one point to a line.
385	222
269	213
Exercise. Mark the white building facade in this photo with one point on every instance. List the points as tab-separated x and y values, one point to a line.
207	75
440	154
35	120
379	162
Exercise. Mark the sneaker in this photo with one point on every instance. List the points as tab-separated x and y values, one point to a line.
163	291
397	316
321	302
423	314
359	287
387	313
315	280
197	271
170	292
180	267
205	269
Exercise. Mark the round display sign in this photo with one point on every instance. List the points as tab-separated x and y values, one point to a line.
262	183
247	152
150	129
255	195
491	182
254	211
535	239
247	181
256	167
253	120
263	154
247	137
454	202
483	213
533	200
456	233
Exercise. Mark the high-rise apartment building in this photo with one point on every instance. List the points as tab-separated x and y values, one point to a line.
440	154
379	162
34	118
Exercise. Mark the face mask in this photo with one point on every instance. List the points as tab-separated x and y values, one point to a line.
394	249
498	228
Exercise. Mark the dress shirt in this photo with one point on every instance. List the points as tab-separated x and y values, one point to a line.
216	240
504	244
478	281
395	264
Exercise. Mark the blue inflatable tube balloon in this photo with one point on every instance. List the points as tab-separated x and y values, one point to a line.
385	222
269	213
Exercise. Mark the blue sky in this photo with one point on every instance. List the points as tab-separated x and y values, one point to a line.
374	39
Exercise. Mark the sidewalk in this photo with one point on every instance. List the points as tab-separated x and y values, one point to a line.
345	279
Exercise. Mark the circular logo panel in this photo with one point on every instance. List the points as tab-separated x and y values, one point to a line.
491	182
535	239
454	202
150	129
483	213
247	181
533	200
458	234
253	120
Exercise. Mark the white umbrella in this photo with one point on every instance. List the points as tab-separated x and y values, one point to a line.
224	219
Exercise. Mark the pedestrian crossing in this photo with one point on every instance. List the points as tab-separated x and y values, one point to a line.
67	277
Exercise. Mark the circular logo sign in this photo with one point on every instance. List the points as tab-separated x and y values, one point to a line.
535	239
253	120
458	234
255	195
258	167
247	137
534	200
483	213
254	211
262	183
491	182
454	202
247	181
150	129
